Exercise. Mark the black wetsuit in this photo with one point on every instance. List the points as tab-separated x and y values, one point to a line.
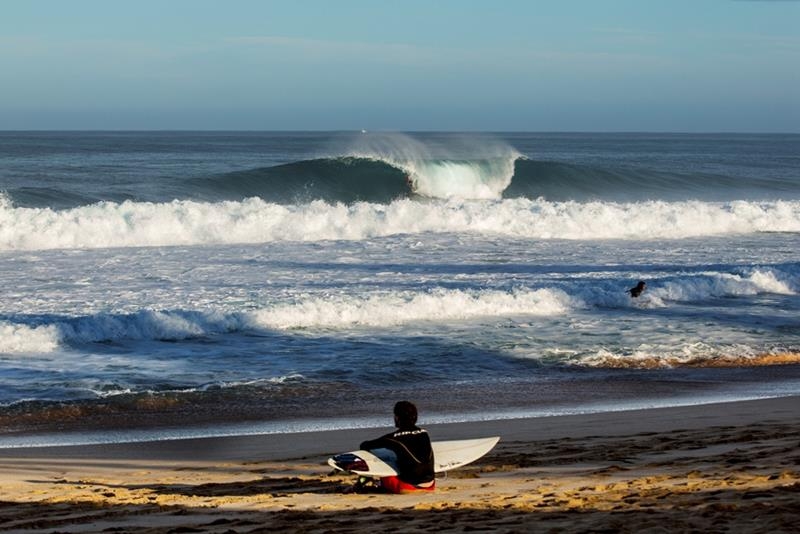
414	453
636	291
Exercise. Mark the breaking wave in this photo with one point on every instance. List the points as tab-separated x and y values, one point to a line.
39	335
22	338
436	305
382	168
320	312
384	177
133	224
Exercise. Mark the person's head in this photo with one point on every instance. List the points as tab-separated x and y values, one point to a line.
640	285
405	414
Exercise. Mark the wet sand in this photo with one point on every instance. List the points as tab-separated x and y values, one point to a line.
714	468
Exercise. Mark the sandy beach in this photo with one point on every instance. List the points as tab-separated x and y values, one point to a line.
730	467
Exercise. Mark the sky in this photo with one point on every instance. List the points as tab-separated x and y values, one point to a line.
454	65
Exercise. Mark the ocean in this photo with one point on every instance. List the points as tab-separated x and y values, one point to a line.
170	284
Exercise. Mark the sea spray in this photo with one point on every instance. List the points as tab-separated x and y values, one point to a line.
408	307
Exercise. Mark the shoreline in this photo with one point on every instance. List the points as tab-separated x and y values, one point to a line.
154	419
731	466
282	445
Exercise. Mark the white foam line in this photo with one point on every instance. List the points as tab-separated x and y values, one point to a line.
135	224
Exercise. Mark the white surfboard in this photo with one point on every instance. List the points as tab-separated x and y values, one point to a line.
447	455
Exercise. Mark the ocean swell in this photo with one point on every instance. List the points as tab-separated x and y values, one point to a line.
384	177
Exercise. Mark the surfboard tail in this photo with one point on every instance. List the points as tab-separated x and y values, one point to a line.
457	453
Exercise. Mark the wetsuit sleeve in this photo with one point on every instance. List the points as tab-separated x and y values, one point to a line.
382	442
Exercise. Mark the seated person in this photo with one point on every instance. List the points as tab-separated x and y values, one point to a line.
412	445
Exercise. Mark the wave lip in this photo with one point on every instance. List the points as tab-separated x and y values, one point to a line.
149	325
483	179
100	328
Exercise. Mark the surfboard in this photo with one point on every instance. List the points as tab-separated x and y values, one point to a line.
447	455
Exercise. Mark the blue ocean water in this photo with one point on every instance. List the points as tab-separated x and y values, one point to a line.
239	281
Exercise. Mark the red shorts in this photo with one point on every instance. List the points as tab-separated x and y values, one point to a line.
395	485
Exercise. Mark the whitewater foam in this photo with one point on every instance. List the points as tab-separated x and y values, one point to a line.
688	287
387	309
407	307
132	224
702	286
19	338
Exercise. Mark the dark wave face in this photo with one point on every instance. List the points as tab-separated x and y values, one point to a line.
52	197
558	181
345	179
353	179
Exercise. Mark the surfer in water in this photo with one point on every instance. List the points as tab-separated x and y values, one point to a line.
636	291
412	445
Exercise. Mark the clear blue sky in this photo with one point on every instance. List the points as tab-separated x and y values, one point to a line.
560	65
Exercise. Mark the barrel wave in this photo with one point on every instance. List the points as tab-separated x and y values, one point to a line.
388	167
350	179
382	179
398	186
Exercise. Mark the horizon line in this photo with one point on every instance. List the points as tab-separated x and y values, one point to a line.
386	131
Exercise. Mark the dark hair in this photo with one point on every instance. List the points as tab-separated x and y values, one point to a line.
406	414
